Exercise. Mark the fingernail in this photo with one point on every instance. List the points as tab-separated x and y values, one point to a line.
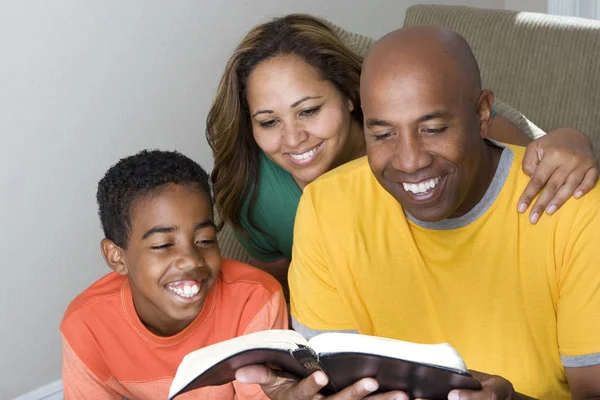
453	396
550	210
533	219
578	194
370	386
320	379
522	207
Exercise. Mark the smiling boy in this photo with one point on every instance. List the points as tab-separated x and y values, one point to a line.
170	291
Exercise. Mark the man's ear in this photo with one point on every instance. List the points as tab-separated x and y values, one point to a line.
484	111
113	255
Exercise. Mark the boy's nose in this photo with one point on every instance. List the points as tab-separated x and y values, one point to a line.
191	258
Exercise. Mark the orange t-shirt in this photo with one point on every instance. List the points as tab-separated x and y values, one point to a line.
108	353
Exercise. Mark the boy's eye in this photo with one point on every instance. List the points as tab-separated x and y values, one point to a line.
310	112
268	124
161	246
206	242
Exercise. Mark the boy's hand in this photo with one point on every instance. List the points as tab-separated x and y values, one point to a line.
277	386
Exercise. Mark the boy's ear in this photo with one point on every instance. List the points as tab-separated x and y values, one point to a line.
113	255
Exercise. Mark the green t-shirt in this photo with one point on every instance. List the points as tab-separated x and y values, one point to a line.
271	237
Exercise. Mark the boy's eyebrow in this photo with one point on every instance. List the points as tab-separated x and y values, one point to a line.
206	224
159	229
169	229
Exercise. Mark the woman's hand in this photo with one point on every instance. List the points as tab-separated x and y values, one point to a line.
561	163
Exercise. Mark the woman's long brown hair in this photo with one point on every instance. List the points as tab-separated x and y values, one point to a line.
228	125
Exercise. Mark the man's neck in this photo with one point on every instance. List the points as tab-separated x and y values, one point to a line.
490	158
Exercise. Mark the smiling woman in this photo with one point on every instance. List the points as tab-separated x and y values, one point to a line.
288	110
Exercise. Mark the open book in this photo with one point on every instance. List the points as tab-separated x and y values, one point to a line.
422	370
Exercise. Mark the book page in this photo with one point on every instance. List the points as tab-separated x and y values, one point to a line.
442	355
199	361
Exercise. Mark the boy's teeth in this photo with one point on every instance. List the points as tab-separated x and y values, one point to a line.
185	290
421	187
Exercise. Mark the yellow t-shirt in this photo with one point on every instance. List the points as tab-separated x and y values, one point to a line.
515	299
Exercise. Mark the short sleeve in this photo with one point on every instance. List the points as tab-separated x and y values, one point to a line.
79	381
273	315
315	302
578	313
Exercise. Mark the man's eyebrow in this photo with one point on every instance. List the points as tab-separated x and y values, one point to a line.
169	229
296	104
371	122
433	115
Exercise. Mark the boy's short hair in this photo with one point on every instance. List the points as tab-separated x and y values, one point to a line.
138	175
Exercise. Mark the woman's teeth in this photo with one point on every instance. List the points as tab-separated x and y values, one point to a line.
306	155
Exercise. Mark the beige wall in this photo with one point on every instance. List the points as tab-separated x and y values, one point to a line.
83	83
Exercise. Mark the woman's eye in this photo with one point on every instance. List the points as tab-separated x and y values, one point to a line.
383	136
268	124
310	112
161	246
435	130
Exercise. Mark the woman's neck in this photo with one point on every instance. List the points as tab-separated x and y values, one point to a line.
354	148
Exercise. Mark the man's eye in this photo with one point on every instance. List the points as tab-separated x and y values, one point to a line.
435	130
310	112
268	124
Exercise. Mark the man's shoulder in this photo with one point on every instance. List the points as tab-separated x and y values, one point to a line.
244	278
347	178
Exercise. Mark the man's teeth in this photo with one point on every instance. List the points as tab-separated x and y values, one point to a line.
186	291
421	187
305	156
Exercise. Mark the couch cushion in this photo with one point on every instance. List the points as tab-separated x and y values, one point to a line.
547	67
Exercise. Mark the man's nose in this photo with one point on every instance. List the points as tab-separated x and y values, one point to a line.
410	155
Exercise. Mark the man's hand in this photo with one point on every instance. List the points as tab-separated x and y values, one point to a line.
278	386
493	388
561	163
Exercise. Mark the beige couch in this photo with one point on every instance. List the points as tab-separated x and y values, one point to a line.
547	67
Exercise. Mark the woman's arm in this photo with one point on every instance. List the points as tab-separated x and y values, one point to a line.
503	130
279	269
562	163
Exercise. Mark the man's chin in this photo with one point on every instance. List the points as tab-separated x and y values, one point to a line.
426	214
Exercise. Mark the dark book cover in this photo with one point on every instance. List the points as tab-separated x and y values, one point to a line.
343	369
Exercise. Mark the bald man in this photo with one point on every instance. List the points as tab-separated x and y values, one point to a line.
419	242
